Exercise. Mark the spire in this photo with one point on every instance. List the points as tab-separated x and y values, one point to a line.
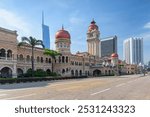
93	22
62	27
42	17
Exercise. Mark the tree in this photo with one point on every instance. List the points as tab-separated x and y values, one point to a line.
31	42
53	54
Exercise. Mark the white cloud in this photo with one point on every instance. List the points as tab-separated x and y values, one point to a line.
147	25
13	21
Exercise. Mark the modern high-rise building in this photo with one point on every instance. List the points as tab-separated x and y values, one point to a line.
45	34
108	46
133	50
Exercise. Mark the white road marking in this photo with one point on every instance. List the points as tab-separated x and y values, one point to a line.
101	91
119	85
2	91
18	97
3	95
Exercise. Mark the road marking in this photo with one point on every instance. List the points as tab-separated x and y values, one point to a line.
3	95
101	91
16	89
120	85
18	97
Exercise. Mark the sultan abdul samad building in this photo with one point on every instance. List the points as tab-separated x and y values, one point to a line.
15	60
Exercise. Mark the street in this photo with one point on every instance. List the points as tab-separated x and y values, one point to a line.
136	87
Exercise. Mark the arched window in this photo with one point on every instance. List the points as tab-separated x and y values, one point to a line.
59	59
9	54
67	69
63	59
46	61
49	60
76	73
28	58
63	71
21	57
41	59
80	72
67	59
105	72
38	59
72	72
2	53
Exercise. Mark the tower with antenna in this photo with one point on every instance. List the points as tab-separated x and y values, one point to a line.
45	33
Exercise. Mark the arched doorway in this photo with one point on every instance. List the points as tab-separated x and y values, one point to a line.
109	72
106	72
63	71
97	72
6	72
80	72
72	72
48	71
76	73
19	72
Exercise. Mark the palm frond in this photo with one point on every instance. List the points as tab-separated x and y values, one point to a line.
25	39
22	43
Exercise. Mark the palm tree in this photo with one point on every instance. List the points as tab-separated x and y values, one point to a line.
53	54
31	42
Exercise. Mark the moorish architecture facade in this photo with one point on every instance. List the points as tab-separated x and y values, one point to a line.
16	60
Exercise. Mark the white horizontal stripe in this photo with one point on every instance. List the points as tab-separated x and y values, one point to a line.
101	91
19	97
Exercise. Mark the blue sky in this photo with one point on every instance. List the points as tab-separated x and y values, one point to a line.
124	18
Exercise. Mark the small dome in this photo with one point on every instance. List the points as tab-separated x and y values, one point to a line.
114	55
93	26
62	34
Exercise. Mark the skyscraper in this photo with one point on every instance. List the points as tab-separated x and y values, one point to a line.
133	50
45	33
108	46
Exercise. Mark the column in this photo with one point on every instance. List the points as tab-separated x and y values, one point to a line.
14	74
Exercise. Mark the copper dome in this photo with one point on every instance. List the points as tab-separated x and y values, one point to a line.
62	34
93	26
114	55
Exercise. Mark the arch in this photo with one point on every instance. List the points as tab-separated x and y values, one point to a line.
109	72
97	72
105	72
9	53
6	72
63	59
49	60
66	59
59	59
2	52
76	73
72	72
28	58
86	73
41	59
63	71
46	60
80	72
48	71
67	69
21	57
19	72
38	59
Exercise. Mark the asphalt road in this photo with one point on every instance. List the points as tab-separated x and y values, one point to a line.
99	88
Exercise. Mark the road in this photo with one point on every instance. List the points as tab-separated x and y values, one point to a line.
99	88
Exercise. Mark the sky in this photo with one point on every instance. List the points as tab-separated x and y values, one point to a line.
124	18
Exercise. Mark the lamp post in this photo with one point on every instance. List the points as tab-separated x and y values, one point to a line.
114	62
